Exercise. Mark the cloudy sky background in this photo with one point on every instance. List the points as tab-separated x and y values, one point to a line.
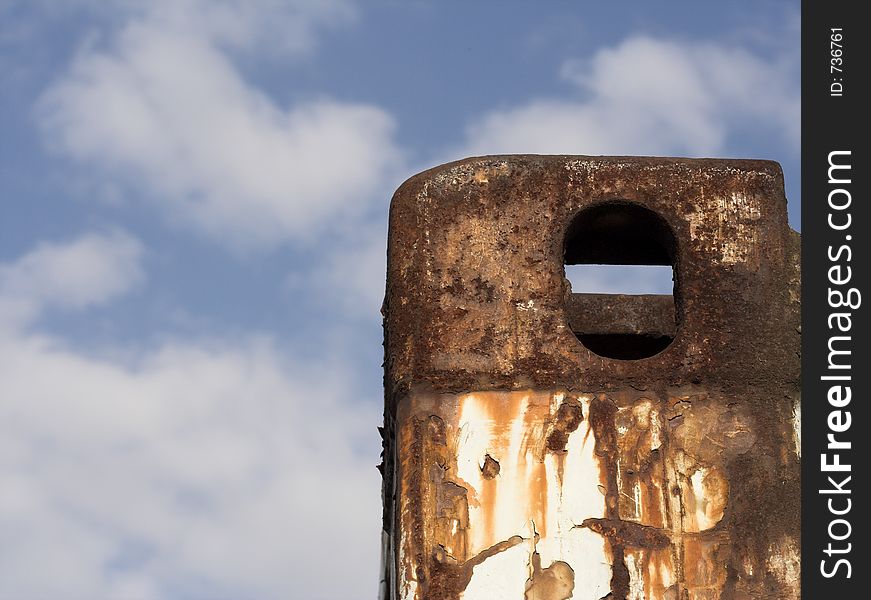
192	237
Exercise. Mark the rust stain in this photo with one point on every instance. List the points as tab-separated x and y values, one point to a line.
556	582
568	416
628	534
490	468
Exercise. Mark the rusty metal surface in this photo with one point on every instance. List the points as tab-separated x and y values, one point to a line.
621	314
519	463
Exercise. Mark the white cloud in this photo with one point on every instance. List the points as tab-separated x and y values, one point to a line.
89	270
288	27
202	471
651	96
163	108
267	26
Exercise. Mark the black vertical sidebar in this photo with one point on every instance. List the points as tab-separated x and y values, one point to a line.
836	424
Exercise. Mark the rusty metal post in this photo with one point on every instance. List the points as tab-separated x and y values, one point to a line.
541	444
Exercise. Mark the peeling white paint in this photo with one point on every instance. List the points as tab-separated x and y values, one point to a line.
704	493
709	506
651	574
796	425
639	430
571	500
784	561
555	492
636	577
501	576
407	582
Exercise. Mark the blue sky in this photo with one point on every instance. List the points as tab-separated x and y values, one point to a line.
192	234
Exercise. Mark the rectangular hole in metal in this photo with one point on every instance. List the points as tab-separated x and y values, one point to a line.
619	261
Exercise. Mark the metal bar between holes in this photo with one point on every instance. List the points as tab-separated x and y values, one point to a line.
622	314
